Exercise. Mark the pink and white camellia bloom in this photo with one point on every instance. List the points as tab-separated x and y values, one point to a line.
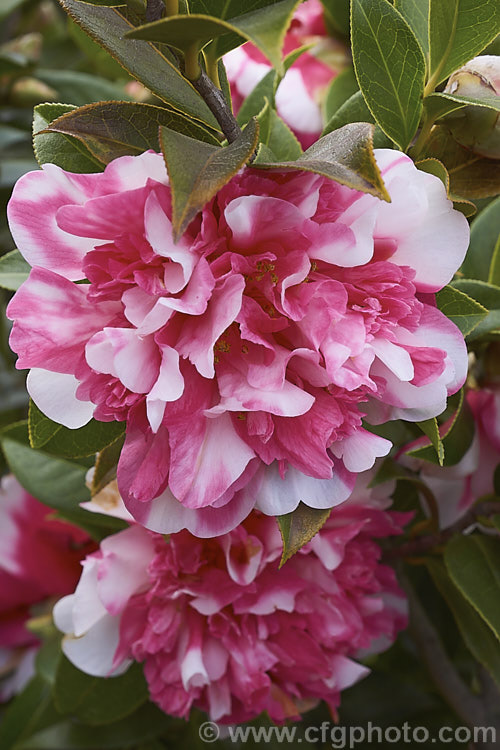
219	627
456	488
39	559
300	94
244	357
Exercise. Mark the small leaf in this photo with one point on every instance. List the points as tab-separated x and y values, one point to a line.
485	231
476	634
113	129
438	101
456	436
471	176
346	156
97	700
430	428
339	91
107	26
473	563
390	67
61	441
488	295
53	148
458	31
277	136
463	310
106	465
354	109
197	171
435	167
298	527
14	270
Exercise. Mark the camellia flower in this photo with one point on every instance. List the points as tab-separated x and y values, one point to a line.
220	627
39	559
456	488
299	95
291	307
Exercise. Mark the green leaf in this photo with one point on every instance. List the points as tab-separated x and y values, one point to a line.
277	136
339	91
265	27
488	295
25	714
473	563
456	436
97	700
485	231
463	310
298	527
430	428
390	67
56	439
354	109
147	723
346	156
476	634
336	13
416	14
113	129
256	100
80	88
143	61
52	148
494	272
14	270
106	465
439	101
458	31
197	171
435	167
471	176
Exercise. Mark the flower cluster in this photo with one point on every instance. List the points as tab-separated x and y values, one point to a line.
220	627
300	94
39	560
244	357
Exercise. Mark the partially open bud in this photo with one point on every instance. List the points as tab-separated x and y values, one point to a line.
477	128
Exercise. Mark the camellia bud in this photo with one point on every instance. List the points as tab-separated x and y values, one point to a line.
477	128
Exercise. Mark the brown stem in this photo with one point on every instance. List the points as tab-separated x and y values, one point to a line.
418	547
217	104
154	10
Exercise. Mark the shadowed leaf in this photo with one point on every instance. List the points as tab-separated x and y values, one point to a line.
298	527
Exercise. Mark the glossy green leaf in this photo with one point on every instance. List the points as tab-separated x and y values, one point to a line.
113	129
145	724
354	109
61	441
14	270
463	310
390	67
488	295
346	155
473	563
298	527
471	176
264	26
430	428
416	14
143	61
444	99
459	30
97	700
54	148
456	436
277	136
197	171
339	91
485	231
476	634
